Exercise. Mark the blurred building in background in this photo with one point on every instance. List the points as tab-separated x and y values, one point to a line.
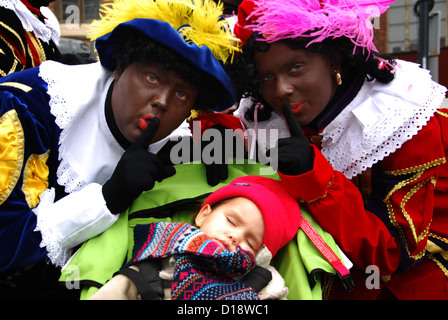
74	17
397	33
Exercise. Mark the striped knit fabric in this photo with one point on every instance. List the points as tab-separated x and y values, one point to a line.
203	270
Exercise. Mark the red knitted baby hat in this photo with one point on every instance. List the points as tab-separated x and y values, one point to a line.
281	213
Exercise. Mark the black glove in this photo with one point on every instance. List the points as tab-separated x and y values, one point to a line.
137	171
295	155
216	172
257	278
147	280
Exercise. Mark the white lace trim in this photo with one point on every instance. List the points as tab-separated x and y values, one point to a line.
55	251
70	100
70	96
44	31
380	119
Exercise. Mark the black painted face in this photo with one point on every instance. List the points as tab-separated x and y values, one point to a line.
306	80
144	90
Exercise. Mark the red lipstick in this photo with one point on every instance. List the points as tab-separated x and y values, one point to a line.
144	121
296	107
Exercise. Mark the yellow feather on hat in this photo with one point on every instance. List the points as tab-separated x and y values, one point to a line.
200	22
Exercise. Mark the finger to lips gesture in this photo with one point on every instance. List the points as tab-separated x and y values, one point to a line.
137	171
295	155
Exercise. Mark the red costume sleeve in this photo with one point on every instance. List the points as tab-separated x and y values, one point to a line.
416	174
411	203
337	205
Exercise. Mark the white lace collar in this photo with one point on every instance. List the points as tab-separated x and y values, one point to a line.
87	150
381	118
44	31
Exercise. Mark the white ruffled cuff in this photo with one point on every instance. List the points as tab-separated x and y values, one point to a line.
71	221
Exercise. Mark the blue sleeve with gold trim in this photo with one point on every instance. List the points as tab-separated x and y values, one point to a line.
28	161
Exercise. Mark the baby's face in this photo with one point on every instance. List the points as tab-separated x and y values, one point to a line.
234	222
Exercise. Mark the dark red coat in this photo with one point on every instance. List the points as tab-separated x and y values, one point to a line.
398	223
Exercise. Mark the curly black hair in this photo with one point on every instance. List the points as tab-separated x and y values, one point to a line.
354	61
140	48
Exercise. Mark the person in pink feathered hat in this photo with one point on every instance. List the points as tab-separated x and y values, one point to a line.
362	138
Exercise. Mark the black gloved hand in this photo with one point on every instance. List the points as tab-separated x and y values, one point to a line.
295	155
137	171
216	171
257	278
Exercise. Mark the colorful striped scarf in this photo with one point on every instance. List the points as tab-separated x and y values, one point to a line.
203	270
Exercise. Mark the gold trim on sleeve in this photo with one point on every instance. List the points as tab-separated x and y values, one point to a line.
12	148
433	248
4	25
17	85
406	198
422	167
444	114
439	264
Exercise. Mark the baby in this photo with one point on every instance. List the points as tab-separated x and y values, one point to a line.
251	217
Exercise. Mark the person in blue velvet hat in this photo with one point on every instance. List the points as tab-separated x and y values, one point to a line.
80	143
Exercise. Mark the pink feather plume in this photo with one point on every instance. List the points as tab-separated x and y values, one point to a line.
320	19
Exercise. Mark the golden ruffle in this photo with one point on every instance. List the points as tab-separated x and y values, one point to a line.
35	178
11	152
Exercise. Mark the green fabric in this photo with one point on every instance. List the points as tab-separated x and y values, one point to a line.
299	259
189	182
100	257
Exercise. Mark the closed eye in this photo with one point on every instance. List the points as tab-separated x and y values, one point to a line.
249	243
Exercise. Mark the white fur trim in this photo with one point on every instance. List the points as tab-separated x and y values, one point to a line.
276	288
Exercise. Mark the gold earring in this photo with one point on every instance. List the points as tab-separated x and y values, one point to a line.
338	78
